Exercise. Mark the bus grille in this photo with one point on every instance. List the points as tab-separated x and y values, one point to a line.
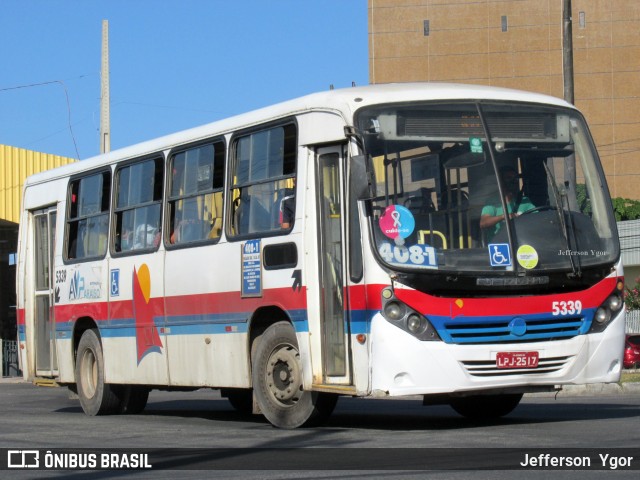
499	331
489	368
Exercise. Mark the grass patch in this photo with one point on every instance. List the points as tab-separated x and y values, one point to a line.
630	377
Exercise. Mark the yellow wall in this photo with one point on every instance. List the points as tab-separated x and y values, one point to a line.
16	164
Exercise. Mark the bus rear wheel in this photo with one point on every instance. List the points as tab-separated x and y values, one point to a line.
485	407
277	382
133	399
96	397
240	398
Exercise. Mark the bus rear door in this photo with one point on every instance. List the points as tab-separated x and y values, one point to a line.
44	227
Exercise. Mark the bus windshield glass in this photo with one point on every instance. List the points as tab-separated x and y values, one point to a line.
486	189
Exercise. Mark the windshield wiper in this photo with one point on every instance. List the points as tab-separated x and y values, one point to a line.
575	267
507	220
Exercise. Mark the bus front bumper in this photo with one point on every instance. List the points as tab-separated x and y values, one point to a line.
403	365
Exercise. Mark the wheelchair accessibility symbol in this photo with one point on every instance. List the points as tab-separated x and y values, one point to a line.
500	254
115	282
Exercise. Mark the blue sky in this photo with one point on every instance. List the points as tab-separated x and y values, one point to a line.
174	64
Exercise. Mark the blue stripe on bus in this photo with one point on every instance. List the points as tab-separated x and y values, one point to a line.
198	324
360	323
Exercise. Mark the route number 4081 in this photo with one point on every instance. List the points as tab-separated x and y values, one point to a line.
417	255
569	307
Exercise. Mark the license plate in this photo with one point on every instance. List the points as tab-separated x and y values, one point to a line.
517	359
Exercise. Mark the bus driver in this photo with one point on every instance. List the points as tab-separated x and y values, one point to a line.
492	216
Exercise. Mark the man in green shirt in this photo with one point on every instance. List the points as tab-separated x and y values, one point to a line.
492	216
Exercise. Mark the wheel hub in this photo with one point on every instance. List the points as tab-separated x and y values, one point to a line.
89	374
284	379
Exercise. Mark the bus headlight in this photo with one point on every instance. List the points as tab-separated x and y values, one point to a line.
605	312
404	317
603	315
415	324
394	311
615	303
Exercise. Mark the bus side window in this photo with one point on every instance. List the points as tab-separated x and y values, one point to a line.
87	216
138	205
263	187
196	194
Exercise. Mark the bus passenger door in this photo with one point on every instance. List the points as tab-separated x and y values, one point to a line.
332	281
44	228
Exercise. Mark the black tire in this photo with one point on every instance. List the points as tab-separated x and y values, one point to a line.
485	407
133	399
277	382
240	398
96	397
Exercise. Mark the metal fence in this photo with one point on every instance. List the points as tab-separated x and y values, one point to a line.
9	358
633	321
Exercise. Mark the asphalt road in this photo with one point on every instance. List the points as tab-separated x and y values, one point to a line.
188	429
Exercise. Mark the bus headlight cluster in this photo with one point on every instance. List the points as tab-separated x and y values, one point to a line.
605	312
404	317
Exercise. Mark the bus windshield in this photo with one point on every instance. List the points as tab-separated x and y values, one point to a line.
486	189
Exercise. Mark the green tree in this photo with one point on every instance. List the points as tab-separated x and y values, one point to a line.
626	209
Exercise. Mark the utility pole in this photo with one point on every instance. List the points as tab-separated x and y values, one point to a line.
567	71
105	121
567	51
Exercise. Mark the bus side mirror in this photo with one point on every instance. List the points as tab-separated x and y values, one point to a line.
360	182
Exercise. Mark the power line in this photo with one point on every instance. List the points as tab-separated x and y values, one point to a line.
29	85
66	94
69	118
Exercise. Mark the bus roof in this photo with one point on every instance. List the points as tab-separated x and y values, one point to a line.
343	101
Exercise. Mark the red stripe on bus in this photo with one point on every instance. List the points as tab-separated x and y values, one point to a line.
208	303
362	297
453	307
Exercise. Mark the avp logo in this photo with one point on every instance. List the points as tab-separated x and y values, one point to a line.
23	459
76	289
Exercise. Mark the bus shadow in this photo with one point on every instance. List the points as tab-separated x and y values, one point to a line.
214	410
398	415
408	415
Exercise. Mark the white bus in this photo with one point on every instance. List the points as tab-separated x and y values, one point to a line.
351	242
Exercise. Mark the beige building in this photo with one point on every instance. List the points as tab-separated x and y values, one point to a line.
518	44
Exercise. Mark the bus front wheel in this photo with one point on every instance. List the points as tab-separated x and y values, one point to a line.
484	407
96	397
277	381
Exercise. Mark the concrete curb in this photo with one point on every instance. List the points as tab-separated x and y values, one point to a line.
12	380
594	389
